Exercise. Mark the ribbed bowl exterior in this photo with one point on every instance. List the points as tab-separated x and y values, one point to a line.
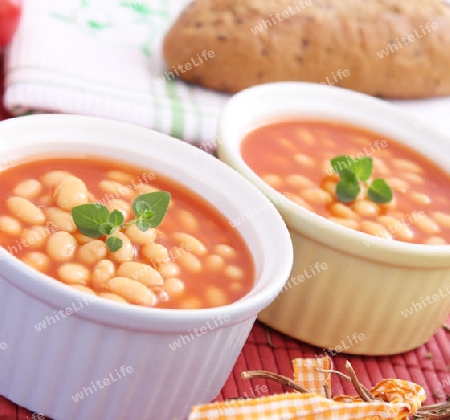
395	308
107	360
88	352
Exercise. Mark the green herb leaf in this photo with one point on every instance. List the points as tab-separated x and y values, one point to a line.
149	215
105	228
95	220
158	202
348	187
380	192
351	172
341	163
116	218
143	225
141	207
114	243
89	217
363	168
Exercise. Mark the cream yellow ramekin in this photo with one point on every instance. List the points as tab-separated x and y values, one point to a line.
348	291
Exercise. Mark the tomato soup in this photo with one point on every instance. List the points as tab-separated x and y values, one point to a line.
294	157
194	259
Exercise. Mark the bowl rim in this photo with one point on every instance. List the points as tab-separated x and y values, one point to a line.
58	295
297	218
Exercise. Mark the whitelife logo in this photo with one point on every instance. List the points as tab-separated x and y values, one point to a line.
318	268
292	10
378	145
183	68
102	383
64	313
217	322
407	40
426	301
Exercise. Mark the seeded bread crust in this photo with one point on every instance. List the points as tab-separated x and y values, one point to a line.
314	43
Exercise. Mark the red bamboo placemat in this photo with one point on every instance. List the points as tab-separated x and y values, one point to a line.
266	349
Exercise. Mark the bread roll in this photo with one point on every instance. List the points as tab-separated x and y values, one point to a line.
386	48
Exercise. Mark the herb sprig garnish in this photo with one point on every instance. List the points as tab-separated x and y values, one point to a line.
351	173
95	220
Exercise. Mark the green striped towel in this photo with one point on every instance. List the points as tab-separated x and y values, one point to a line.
103	58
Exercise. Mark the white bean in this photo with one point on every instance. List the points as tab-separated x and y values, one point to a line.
71	273
214	262
127	252
61	219
25	210
10	226
35	236
92	252
83	239
52	178
225	251
190	262
234	272
442	218
120	205
143	273
330	186
103	271
132	291
427	225
435	240
191	302
404	233
304	160
174	286
70	192
414	178
45	200
37	260
29	189
398	184
341	210
375	229
287	144
146	189
366	208
299	181
155	253
420	198
306	137
113	297
61	246
407	165
196	247
274	181
169	270
139	237
216	297
187	220
316	195
116	188
119	176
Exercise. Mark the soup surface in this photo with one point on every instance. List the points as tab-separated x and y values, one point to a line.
294	158
194	259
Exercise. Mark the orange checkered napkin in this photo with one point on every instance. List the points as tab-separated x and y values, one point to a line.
396	400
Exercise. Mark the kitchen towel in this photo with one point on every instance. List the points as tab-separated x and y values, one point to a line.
103	58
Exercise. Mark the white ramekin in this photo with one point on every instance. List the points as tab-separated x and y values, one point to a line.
43	370
364	289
